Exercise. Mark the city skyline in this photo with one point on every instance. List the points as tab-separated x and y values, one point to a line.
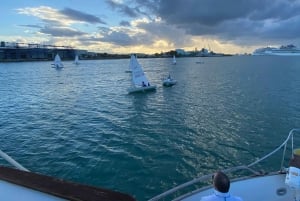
151	26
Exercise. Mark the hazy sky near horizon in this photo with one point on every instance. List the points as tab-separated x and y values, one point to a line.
149	26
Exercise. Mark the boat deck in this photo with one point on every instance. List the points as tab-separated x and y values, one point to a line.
20	185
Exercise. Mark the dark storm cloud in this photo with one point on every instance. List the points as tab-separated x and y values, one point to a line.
287	29
279	9
213	12
205	12
157	31
61	32
81	16
231	20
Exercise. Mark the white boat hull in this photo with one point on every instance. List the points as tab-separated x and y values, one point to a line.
264	188
169	83
276	54
12	192
57	66
16	185
141	89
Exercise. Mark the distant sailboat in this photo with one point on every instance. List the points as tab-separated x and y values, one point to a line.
169	81
174	60
199	62
76	61
57	62
139	80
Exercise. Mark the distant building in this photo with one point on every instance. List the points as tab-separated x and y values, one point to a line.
203	52
180	52
34	52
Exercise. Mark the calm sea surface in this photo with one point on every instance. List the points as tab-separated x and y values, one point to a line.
80	124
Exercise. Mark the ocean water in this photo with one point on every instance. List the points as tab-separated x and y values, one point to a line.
80	124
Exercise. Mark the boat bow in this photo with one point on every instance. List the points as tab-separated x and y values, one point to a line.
271	186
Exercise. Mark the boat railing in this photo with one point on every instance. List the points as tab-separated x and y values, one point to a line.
11	161
234	169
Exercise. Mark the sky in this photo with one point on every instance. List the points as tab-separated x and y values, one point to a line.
153	26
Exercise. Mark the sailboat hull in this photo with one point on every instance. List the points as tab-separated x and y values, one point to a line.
141	89
57	66
169	83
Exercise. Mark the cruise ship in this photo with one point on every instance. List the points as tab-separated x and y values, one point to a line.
288	50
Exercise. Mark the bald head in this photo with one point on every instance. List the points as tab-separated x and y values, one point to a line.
221	182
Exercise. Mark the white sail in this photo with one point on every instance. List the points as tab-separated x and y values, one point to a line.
174	60
131	63
139	79
76	59
138	76
57	62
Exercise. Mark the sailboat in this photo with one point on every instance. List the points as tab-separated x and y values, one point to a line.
76	61
169	81
199	62
57	62
139	80
174	60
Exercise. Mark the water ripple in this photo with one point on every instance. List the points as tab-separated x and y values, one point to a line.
80	124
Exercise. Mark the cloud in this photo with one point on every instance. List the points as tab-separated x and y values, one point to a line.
158	30
61	32
31	26
123	36
145	33
287	29
67	16
123	8
125	23
133	35
230	20
118	38
177	23
214	12
46	14
81	16
205	12
58	23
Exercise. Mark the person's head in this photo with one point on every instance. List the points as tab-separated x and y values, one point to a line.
221	182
